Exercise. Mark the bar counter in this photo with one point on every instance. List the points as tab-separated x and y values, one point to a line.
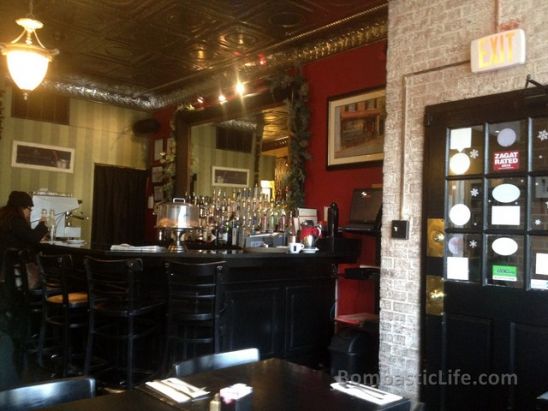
281	303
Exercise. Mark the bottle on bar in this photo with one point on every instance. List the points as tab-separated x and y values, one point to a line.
228	218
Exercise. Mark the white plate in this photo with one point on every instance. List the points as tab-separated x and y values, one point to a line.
76	241
310	250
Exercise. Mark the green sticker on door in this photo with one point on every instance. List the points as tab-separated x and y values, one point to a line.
505	273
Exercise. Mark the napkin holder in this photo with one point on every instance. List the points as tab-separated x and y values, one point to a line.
241	404
237	402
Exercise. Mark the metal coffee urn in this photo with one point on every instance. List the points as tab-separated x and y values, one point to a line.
173	219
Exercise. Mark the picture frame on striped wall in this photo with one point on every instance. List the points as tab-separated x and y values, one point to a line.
42	157
229	177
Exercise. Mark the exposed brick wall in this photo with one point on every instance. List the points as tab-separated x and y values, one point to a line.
428	63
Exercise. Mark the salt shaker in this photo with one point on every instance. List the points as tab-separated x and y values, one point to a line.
215	403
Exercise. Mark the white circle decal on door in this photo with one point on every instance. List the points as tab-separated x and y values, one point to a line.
459	163
459	214
506	137
455	245
504	246
506	193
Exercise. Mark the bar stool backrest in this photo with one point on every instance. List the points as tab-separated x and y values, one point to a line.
15	272
193	309
46	394
55	271
114	281
193	289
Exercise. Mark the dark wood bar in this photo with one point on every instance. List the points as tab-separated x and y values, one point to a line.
280	303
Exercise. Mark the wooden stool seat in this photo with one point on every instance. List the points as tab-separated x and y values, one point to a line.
73	298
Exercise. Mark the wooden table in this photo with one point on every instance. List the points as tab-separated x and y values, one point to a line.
278	385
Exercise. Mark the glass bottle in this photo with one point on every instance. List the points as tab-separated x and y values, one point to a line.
51	225
44	216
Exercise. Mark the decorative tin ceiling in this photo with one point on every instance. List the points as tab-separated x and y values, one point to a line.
150	53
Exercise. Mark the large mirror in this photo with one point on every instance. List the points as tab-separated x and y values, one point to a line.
246	151
219	146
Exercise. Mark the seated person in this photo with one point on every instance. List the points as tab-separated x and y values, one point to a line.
16	232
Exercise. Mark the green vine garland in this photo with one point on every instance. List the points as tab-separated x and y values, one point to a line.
298	117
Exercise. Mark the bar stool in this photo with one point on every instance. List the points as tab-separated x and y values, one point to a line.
62	308
193	309
24	304
119	312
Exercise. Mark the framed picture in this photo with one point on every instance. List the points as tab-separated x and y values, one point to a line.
157	174
42	157
229	177
158	193
355	128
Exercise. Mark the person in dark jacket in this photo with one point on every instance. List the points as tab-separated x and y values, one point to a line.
16	232
15	229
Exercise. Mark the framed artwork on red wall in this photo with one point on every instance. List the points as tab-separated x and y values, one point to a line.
355	128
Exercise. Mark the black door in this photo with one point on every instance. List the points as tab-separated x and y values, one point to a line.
485	253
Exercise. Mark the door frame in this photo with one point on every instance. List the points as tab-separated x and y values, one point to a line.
437	120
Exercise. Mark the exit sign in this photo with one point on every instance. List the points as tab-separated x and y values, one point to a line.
499	50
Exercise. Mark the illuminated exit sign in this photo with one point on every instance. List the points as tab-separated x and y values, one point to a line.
498	50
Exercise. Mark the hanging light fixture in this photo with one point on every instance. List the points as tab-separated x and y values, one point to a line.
28	62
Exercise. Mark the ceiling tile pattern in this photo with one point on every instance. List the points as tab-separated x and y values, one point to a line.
161	45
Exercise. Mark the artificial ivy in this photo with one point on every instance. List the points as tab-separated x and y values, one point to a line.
298	117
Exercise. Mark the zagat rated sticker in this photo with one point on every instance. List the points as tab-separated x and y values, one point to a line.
506	160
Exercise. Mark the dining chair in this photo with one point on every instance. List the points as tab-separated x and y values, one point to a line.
45	394
214	362
193	309
63	307
120	314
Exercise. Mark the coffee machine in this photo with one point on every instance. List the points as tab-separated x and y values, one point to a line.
56	206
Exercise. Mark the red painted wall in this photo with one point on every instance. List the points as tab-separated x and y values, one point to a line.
164	117
348	72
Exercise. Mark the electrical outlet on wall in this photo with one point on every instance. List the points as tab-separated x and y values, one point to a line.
400	229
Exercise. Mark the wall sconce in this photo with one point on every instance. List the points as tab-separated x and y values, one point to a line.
28	62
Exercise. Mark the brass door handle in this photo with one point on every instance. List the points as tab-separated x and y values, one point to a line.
438	236
436	295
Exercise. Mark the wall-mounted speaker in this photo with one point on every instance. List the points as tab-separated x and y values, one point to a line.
146	126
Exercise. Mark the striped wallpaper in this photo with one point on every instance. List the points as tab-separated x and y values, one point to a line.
99	133
204	156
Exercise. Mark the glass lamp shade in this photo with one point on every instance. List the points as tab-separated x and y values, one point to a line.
27	62
27	65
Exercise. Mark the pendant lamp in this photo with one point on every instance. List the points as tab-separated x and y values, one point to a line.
28	61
